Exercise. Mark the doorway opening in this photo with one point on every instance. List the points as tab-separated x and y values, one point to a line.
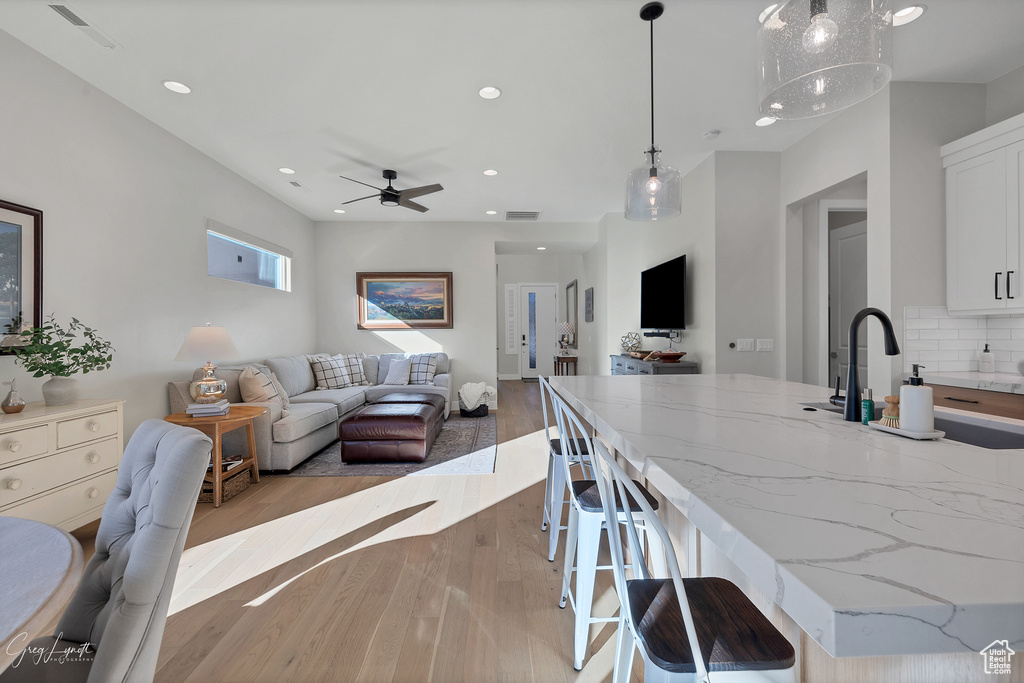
845	227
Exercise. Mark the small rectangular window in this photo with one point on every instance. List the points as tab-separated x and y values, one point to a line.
234	258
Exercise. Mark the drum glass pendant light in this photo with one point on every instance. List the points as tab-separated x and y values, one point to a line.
820	56
653	191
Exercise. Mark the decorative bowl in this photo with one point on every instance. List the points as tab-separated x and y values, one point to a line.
669	356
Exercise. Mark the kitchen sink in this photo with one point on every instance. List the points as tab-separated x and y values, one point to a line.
976	430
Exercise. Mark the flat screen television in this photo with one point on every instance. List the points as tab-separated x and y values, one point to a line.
662	294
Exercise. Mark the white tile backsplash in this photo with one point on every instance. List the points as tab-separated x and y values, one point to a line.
953	344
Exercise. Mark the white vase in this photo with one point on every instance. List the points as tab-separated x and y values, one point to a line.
60	391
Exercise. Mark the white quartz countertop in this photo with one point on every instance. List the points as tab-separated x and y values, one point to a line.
873	543
1007	382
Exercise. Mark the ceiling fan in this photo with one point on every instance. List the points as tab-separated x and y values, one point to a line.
389	196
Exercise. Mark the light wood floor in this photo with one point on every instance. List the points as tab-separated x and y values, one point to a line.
416	578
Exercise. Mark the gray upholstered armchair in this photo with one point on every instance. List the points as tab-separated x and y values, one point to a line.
120	607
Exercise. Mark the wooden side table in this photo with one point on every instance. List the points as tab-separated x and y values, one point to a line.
562	364
215	427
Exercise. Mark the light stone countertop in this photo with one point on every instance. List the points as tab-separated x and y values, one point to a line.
1007	382
873	543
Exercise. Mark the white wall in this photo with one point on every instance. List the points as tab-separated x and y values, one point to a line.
747	257
529	268
124	207
597	342
1004	97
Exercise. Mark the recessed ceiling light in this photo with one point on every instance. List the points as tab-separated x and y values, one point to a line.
286	171
490	171
175	86
767	12
339	211
491	213
541	248
490	93
765	121
908	14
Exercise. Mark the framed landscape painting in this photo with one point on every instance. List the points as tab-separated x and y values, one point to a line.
399	301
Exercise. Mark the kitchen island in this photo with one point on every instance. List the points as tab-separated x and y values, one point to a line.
876	546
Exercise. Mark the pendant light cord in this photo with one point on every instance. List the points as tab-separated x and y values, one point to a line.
652	91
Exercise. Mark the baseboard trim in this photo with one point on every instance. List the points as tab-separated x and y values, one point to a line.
510	376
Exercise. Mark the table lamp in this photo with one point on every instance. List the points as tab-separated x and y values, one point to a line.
564	330
202	344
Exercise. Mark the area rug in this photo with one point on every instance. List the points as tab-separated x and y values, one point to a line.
466	445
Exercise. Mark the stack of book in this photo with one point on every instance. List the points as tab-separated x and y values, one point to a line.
227	463
208	409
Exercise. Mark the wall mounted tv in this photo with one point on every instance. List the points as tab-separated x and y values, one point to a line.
662	294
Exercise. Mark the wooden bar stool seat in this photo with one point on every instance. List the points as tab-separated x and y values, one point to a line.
733	634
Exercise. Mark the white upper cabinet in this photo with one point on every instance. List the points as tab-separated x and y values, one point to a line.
984	195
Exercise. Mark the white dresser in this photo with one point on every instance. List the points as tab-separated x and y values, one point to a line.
58	464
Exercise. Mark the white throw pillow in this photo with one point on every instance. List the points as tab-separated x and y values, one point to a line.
330	373
256	387
398	372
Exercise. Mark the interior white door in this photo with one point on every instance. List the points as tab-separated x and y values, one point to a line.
847	294
538	315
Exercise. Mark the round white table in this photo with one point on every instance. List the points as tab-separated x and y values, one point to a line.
40	566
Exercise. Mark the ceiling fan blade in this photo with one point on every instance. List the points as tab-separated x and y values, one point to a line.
412	205
360	182
420	191
369	196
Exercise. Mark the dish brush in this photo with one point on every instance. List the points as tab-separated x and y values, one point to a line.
891	413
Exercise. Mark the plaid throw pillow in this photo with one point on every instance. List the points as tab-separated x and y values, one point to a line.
422	369
353	363
329	373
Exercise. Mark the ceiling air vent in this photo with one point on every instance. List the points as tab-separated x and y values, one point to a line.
522	215
298	185
95	34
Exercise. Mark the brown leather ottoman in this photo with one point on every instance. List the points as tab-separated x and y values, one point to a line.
391	432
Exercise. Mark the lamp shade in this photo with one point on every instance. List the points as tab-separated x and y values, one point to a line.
653	191
820	56
207	343
565	328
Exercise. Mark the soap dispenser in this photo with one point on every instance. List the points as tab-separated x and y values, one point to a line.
916	408
987	361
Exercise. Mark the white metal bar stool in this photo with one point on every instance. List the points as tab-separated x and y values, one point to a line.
685	628
586	519
555	486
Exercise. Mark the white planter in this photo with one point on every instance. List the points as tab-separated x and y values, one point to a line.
60	391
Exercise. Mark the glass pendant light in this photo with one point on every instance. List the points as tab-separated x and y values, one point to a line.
653	190
820	56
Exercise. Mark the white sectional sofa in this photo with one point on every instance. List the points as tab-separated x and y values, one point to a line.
312	422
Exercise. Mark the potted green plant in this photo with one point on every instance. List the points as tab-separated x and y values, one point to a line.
61	352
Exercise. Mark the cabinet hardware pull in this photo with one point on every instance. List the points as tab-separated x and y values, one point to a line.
1008	273
960	400
92	426
93	492
12	484
93	458
14	446
998	298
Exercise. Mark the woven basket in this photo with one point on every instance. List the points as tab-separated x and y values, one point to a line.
232	487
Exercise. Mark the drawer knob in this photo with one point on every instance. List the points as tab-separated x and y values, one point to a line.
14	446
92	458
93	492
12	484
93	426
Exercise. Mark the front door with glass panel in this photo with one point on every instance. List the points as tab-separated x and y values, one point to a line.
538	312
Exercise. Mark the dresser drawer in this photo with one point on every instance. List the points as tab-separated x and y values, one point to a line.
71	502
38	476
22	443
89	428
